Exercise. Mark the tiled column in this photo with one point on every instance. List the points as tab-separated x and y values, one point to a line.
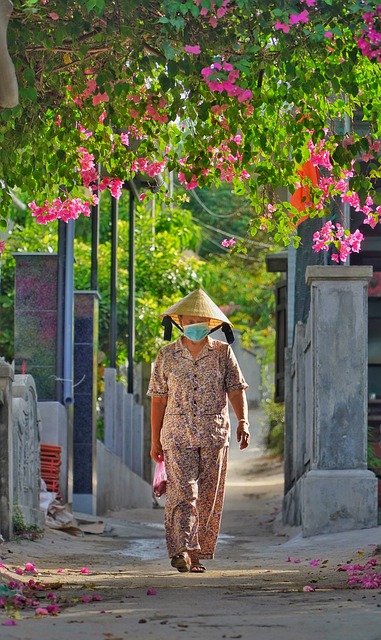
85	397
36	319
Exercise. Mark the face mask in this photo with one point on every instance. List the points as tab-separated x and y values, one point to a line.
196	332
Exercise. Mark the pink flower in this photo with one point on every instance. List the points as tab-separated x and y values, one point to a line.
2	246
52	609
9	623
85	570
299	17
328	35
308	588
86	599
245	95
53	16
315	563
281	26
193	49
227	243
96	596
151	592
41	611
29	566
100	97
206	72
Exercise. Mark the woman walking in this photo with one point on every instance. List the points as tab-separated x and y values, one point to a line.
192	381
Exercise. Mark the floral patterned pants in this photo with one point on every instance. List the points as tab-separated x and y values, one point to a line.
194	499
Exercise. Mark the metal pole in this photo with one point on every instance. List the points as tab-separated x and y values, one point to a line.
113	282
347	209
94	246
68	315
60	308
131	295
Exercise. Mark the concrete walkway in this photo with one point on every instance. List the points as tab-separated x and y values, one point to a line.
253	588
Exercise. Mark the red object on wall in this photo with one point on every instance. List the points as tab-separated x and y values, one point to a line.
300	199
50	460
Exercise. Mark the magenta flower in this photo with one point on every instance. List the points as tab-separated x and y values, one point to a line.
193	49
227	243
295	18
315	563
85	570
86	599
52	609
281	26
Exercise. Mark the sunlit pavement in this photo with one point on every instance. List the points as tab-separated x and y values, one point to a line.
266	582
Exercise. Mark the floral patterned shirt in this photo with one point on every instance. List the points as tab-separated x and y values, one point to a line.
196	413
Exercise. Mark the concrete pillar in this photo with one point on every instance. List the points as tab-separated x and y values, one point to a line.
6	451
109	409
338	493
85	398
119	419
128	428
137	440
36	278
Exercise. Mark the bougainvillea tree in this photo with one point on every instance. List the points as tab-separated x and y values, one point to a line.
245	91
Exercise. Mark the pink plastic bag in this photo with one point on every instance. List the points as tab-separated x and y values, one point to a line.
159	479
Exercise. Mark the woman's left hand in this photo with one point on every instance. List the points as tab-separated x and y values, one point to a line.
243	435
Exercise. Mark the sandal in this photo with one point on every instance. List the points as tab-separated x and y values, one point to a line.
197	567
181	562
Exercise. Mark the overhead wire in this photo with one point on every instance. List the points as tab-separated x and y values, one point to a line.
211	213
262	245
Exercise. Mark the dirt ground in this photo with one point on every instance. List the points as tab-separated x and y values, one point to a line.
262	575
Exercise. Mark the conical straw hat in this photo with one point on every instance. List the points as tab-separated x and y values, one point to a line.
197	303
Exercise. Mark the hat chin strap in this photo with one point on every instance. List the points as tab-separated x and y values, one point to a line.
167	323
227	330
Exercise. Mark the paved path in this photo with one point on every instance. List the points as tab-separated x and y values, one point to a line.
253	589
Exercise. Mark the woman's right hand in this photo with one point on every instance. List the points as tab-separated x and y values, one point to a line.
156	451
